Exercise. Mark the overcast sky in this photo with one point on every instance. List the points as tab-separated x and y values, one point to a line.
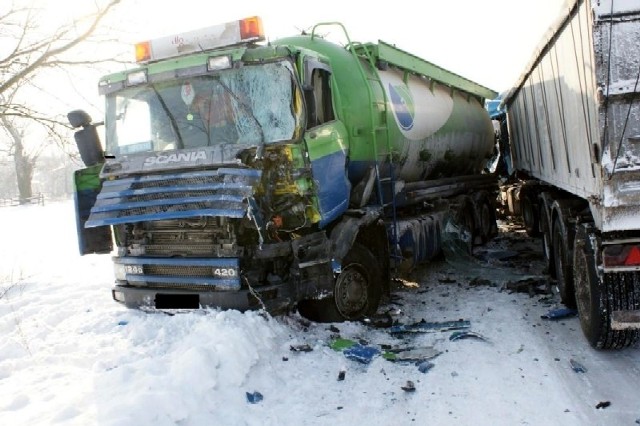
489	42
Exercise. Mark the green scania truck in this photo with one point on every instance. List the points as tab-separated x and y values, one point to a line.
242	174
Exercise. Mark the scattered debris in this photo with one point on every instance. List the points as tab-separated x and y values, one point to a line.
419	354
300	348
603	404
478	282
408	387
426	327
446	280
355	351
254	397
498	255
577	367
341	375
360	353
334	329
284	358
341	344
466	334
529	285
384	320
123	322
425	366
559	313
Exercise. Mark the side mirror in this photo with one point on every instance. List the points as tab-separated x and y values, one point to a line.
78	118
87	139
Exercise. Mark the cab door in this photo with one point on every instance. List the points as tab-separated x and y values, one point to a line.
326	141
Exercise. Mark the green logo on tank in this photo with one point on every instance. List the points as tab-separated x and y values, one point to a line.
403	106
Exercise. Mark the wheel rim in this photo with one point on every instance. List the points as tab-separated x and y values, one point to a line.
351	291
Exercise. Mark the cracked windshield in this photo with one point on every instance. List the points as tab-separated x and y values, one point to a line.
252	105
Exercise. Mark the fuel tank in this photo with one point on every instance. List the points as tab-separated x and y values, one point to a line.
431	123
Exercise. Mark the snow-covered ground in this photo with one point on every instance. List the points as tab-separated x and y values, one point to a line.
69	355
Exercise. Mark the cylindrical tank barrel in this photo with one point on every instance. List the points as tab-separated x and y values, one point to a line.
427	129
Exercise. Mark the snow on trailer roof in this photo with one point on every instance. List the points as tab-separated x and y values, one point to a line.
603	9
571	7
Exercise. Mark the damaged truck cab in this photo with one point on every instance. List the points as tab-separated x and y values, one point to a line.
244	175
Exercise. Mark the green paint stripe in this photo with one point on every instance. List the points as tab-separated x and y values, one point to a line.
87	179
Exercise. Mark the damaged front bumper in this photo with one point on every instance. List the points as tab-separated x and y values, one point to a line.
271	298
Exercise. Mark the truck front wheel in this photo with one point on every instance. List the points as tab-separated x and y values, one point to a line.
358	288
596	299
356	293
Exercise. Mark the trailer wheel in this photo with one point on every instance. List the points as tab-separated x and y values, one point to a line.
530	216
562	261
596	298
547	242
357	290
487	216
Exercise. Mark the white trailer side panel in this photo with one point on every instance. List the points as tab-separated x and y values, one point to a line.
574	114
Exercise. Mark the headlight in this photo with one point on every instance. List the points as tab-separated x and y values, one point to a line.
121	270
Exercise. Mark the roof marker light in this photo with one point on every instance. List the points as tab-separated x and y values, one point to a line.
251	29
143	51
204	39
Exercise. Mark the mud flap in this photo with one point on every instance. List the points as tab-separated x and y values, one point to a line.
87	187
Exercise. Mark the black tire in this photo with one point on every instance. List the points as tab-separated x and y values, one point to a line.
598	296
563	258
547	242
465	218
487	215
357	290
530	216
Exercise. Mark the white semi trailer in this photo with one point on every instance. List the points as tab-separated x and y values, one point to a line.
574	132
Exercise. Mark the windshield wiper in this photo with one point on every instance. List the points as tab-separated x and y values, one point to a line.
172	119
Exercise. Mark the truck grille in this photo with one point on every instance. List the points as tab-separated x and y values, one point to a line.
223	192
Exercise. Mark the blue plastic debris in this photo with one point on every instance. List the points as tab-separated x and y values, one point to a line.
577	367
254	397
360	353
426	327
425	366
559	313
123	322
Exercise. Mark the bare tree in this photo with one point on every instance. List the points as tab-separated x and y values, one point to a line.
27	52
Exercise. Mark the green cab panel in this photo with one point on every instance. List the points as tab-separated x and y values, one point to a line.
87	187
328	154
